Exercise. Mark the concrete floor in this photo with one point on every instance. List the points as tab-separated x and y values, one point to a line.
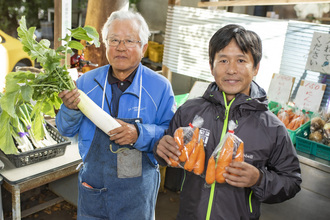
305	206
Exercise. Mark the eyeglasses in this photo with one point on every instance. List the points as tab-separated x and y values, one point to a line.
113	42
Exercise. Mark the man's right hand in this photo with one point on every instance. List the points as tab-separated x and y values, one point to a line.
70	98
167	147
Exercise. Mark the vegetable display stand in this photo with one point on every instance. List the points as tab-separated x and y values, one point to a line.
305	145
41	154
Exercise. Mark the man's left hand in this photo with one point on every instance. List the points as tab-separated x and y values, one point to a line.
125	134
241	174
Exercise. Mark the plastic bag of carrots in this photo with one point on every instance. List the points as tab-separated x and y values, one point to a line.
230	148
293	118
192	156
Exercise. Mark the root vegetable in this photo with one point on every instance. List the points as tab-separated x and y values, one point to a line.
224	159
315	136
200	163
210	171
188	148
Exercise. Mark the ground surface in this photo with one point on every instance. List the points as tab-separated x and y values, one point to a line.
166	208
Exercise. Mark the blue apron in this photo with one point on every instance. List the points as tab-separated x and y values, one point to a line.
122	182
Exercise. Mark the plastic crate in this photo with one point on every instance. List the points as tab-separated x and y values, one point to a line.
274	107
305	145
41	154
293	134
155	52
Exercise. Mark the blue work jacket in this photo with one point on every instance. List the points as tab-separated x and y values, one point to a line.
152	90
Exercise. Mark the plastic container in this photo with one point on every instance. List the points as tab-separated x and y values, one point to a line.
293	134
274	107
305	145
155	52
41	154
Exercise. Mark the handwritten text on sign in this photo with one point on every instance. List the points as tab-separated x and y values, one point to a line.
280	88
319	53
309	95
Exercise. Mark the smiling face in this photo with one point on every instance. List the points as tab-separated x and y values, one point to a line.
122	59
233	70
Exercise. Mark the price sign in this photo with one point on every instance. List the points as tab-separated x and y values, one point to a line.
309	95
280	88
319	53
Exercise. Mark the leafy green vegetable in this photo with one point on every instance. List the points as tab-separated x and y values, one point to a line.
39	88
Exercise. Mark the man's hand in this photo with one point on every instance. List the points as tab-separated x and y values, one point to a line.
241	174
167	147
125	134
70	98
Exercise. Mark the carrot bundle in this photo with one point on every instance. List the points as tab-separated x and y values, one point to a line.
231	148
292	119
192	156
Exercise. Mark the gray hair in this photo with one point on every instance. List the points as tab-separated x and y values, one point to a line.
144	32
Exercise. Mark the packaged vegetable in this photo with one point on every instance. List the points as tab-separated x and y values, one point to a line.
192	156
230	148
292	117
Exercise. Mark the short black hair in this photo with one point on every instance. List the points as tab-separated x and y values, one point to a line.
246	40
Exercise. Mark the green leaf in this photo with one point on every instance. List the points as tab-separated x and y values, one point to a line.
60	49
37	117
47	108
8	102
92	33
7	144
75	45
27	92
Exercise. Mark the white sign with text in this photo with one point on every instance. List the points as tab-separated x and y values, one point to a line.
309	95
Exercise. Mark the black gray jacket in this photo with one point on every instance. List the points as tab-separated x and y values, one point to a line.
267	146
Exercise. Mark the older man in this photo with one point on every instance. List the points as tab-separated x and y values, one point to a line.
120	176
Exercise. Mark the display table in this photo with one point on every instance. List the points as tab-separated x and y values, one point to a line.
19	180
313	201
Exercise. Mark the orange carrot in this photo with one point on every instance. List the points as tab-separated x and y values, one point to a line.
200	162
187	150
300	122
284	117
174	163
240	153
291	114
191	161
225	158
178	137
292	124
210	171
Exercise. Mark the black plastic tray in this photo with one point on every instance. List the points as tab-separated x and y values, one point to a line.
41	154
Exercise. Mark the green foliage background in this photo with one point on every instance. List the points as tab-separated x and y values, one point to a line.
12	10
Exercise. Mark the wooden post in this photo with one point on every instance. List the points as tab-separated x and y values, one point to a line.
57	22
58	27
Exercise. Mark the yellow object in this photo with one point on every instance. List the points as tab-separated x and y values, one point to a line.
155	52
12	55
162	171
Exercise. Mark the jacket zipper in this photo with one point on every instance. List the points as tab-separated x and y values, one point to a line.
224	129
250	202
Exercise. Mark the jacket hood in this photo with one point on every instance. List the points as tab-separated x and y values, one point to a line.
256	101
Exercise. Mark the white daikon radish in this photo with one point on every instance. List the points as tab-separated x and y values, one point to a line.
97	115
